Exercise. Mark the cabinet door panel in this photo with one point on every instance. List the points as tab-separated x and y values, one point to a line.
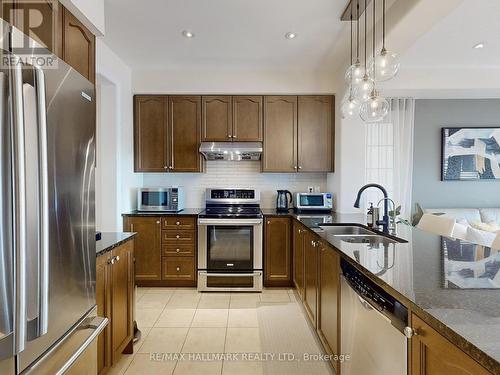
150	133
103	301
315	134
247	118
433	354
122	299
147	247
217	118
298	258
310	276
277	251
78	46
329	300
280	134
184	133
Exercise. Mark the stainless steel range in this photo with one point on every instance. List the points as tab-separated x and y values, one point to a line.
230	241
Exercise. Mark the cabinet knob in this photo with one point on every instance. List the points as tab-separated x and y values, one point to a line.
178	223
178	269
177	236
177	250
158	222
410	332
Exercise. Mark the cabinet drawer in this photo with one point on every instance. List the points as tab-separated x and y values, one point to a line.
178	236
176	250
178	268
179	222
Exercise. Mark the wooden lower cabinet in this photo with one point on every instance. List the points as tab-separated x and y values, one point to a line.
298	257
278	251
329	301
433	354
115	301
311	276
147	247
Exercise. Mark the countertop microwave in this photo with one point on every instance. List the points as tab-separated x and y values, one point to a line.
313	201
168	199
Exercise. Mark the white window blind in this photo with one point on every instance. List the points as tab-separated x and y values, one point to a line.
379	164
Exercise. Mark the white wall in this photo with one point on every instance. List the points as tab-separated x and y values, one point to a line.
244	174
88	12
234	81
116	122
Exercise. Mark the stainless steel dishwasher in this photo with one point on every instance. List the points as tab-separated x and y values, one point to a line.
372	327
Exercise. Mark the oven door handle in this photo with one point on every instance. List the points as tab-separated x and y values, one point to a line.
229	221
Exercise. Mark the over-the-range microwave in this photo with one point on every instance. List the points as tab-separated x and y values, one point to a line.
313	201
169	199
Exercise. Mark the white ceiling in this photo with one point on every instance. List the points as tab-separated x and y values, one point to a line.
449	43
228	33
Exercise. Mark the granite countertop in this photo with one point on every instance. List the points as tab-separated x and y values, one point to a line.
454	285
184	212
110	240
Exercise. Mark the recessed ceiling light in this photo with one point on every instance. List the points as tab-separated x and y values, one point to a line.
188	34
290	35
478	46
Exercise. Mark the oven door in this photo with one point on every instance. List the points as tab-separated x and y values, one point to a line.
230	245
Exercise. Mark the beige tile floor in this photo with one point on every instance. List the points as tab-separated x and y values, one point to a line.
181	320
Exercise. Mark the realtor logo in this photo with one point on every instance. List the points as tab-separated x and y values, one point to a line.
37	21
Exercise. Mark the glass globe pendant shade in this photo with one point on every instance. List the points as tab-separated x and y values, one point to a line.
385	65
354	74
363	90
350	107
374	109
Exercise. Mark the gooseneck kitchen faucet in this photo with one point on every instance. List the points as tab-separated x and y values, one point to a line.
385	219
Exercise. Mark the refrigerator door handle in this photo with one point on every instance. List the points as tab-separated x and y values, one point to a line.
19	182
43	284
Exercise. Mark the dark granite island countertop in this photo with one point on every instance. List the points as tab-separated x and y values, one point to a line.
110	240
453	285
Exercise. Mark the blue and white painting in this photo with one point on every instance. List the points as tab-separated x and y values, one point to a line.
471	154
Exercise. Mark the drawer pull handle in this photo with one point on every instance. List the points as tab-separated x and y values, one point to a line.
178	223
178	269
177	236
177	250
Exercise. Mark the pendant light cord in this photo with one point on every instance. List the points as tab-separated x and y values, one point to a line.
373	51
383	25
357	31
365	36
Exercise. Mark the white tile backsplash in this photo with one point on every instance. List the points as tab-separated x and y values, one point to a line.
245	174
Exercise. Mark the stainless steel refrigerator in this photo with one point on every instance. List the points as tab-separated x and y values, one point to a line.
47	227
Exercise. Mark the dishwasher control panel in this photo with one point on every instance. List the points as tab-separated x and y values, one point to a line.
375	295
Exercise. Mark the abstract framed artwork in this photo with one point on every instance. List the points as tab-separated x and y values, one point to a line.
470	154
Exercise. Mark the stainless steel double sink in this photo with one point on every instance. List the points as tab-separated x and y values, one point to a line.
355	234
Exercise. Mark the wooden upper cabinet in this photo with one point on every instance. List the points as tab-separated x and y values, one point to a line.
329	300
150	133
277	248
217	119
247	118
147	246
43	14
433	354
315	134
78	45
184	123
280	134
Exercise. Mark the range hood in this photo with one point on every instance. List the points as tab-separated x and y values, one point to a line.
231	150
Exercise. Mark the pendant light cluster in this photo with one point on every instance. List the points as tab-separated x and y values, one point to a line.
363	98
